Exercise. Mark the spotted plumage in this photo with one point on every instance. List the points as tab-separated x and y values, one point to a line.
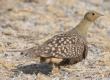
66	48
63	46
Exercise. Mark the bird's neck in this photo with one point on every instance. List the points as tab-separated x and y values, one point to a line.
83	26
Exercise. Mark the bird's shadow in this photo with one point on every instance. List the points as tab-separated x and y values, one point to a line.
34	69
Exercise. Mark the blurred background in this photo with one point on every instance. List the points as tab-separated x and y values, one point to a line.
26	23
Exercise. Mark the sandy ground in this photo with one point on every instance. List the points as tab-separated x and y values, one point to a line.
26	23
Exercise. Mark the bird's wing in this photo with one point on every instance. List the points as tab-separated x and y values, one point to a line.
59	46
63	46
30	52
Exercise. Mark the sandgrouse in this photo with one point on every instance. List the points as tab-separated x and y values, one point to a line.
66	48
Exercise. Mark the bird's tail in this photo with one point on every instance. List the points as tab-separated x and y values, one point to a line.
31	52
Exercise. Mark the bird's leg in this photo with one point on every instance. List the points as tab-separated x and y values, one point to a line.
56	69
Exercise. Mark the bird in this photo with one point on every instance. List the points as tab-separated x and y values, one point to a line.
66	48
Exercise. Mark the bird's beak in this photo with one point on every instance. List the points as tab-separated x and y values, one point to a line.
101	15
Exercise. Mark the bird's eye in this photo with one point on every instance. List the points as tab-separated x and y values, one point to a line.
93	14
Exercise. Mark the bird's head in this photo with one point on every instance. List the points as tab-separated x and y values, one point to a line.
92	16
